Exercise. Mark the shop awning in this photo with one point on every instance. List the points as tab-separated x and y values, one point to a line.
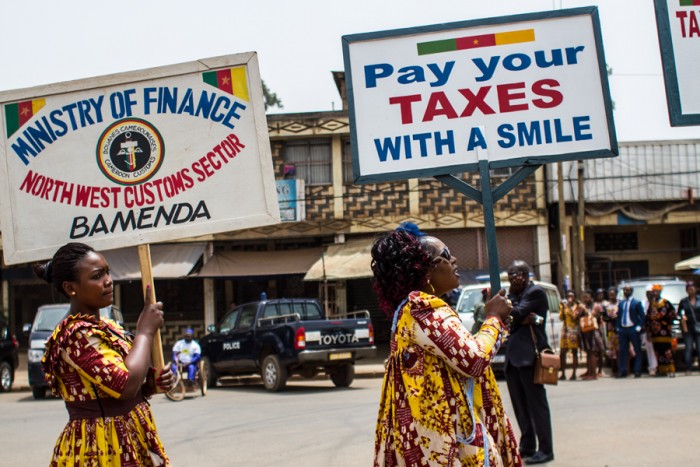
688	264
169	261
351	260
259	263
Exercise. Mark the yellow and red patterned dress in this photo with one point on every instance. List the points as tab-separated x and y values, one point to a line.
84	365
570	335
424	409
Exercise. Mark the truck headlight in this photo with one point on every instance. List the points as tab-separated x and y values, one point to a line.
35	355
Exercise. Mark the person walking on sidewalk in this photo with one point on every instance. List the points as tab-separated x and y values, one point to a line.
629	325
440	403
529	399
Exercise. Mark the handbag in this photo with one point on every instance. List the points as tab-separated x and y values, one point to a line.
547	364
588	323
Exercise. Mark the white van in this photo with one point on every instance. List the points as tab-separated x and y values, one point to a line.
471	295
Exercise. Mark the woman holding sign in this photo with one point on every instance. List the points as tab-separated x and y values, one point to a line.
440	402
99	370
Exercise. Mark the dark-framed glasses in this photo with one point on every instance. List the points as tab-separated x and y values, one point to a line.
444	255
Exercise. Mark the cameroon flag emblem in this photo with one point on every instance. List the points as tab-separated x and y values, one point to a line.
230	80
19	113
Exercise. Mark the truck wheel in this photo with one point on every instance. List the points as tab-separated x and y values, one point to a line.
342	376
5	377
39	392
274	375
209	372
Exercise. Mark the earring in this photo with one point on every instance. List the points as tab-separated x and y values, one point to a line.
432	289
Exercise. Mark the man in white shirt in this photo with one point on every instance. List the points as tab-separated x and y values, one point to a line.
187	352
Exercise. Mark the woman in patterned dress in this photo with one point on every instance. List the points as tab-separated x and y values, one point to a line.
440	402
99	370
610	317
659	321
569	314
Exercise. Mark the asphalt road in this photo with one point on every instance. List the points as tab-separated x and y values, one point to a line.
609	422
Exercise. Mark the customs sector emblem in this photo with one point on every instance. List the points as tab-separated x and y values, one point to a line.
130	151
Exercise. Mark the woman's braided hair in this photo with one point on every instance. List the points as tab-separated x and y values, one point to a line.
63	266
400	264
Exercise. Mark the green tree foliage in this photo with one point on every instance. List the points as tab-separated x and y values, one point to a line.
271	99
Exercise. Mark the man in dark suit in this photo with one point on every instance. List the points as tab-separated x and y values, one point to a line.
529	399
629	325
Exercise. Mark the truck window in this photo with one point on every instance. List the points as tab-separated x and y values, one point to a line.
271	311
247	316
307	311
229	321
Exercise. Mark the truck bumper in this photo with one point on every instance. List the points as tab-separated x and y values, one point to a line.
325	356
36	374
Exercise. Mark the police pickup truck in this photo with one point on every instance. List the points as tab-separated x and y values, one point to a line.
277	338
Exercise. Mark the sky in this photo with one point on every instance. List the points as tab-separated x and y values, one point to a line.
299	44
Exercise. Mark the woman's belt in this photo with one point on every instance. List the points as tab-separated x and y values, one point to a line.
100	408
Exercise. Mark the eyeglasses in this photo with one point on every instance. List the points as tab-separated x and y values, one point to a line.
444	255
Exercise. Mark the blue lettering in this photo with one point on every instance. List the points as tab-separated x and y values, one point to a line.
232	114
373	72
187	104
582	124
411	74
529	137
448	141
505	132
22	150
476	139
148	99
56	120
391	146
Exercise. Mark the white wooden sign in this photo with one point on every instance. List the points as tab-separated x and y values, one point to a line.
134	158
678	23
525	89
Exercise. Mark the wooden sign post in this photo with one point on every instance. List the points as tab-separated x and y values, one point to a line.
147	279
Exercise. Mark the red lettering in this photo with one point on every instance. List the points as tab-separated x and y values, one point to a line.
475	101
195	168
505	97
543	88
405	106
681	15
211	157
694	27
438	104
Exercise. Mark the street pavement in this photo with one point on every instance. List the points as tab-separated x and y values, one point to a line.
609	422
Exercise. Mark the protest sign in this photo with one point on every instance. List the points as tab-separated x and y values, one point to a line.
678	23
526	89
135	158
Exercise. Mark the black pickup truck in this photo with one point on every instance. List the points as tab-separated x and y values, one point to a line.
276	338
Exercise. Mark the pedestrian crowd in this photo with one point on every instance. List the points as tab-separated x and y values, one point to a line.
604	326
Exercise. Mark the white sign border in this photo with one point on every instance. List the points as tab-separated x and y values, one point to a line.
668	60
474	167
270	216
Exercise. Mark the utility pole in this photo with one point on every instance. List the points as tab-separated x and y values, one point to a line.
563	231
581	257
